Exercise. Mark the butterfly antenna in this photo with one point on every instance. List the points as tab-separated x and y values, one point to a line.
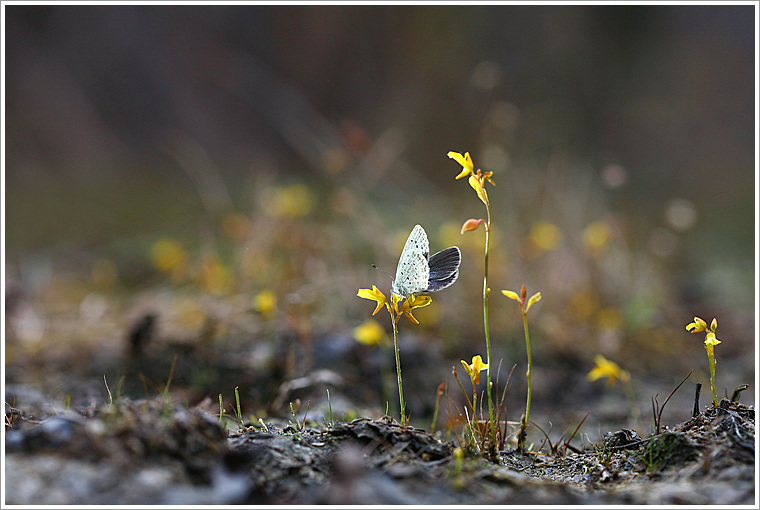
389	276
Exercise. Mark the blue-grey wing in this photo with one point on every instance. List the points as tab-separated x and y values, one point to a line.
444	268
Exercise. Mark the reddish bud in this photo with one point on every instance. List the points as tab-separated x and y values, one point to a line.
471	225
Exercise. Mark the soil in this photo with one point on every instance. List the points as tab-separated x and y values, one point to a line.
150	451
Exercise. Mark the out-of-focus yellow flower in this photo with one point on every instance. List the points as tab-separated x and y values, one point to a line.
596	237
370	333
294	201
545	236
215	277
265	303
475	368
169	257
608	369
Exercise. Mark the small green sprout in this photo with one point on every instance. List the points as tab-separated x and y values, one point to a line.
524	307
438	394
237	404
711	341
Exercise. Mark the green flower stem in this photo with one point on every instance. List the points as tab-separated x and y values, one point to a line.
394	320
471	404
711	359
485	325
528	373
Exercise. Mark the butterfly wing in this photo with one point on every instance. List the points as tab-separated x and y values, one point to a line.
413	272
444	268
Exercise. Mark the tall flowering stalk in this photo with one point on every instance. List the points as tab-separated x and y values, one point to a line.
524	307
477	180
396	309
711	341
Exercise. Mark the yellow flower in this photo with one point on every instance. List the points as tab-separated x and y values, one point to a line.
477	179
465	161
406	308
265	303
294	201
710	339
370	333
698	325
545	236
608	369
169	257
596	237
414	302
376	295
475	368
477	185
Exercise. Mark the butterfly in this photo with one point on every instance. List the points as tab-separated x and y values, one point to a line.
417	272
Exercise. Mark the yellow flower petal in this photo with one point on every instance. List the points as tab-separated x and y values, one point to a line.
714	325
711	339
535	298
376	295
467	368
511	295
477	367
417	301
465	161
697	326
478	187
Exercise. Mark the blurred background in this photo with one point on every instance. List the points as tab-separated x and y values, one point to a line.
197	193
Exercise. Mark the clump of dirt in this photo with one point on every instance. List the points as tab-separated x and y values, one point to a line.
153	452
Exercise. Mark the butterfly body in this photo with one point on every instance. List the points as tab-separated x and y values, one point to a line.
418	272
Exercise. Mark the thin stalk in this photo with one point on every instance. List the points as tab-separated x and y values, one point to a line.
485	325
394	320
524	425
711	359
